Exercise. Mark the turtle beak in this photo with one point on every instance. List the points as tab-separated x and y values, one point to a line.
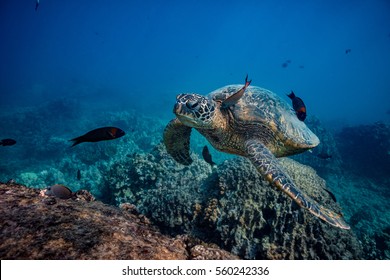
182	112
177	108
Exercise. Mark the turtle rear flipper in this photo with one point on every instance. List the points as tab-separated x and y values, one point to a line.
177	141
266	163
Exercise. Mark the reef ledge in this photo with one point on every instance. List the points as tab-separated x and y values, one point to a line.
35	226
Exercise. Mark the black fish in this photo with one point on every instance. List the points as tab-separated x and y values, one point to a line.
331	195
36	4
347	51
78	174
207	157
298	106
7	142
99	134
286	63
324	155
233	99
59	191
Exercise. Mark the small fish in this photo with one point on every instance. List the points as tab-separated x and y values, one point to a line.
324	155
286	63
78	174
347	51
233	99
7	142
59	191
36	4
298	105
331	195
207	156
99	134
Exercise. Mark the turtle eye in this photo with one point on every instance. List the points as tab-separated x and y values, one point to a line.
192	104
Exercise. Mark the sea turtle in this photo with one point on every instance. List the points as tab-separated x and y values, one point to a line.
257	125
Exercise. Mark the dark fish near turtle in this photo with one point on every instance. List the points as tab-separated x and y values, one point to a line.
78	174
7	142
231	100
36	5
59	191
331	195
99	134
298	105
207	156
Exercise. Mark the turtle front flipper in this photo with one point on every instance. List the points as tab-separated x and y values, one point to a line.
266	163
177	141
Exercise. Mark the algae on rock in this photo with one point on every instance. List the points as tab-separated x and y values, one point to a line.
232	206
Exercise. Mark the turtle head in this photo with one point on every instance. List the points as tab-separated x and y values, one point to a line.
195	110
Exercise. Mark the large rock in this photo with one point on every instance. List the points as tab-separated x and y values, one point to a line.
161	189
35	226
232	206
254	220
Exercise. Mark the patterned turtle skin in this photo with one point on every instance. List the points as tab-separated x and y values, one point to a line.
256	124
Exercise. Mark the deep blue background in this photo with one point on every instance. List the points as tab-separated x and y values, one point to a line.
142	53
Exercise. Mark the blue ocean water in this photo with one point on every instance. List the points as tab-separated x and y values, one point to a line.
148	51
71	66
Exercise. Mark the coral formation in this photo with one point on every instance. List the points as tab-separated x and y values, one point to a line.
40	227
259	222
233	207
365	150
159	186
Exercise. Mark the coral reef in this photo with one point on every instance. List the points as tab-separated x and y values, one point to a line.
358	175
256	221
232	206
382	242
363	184
35	226
159	186
365	150
228	204
366	204
377	246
